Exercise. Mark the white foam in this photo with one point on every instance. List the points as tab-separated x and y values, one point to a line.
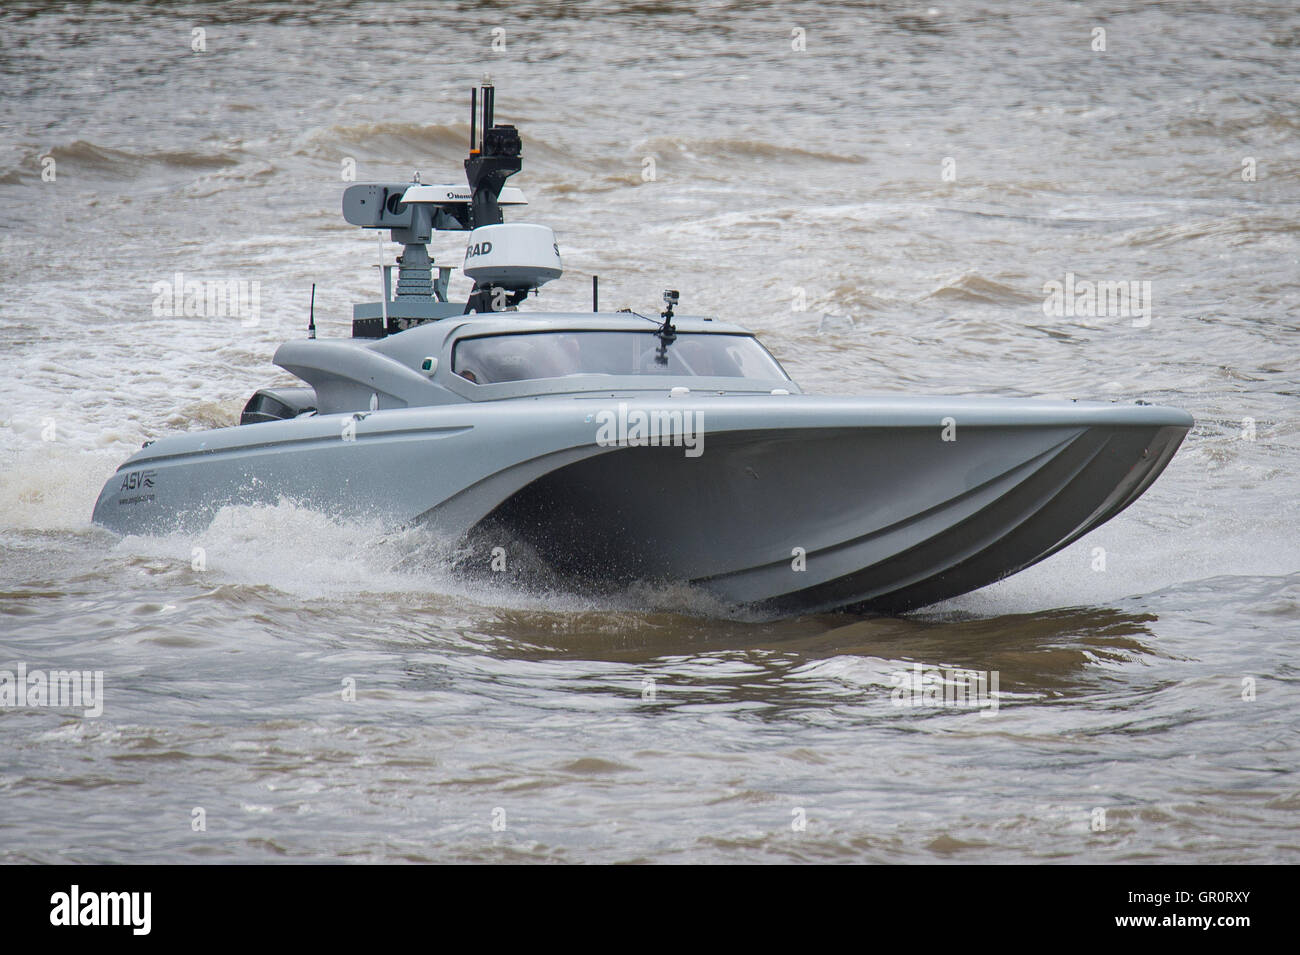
51	485
312	555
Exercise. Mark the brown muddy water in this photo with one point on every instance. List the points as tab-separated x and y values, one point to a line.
1148	690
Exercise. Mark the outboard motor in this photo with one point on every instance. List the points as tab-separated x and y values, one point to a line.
278	404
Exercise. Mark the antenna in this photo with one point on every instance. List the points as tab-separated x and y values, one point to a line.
385	282
595	293
473	120
311	321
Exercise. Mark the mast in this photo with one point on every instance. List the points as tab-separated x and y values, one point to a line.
496	157
506	262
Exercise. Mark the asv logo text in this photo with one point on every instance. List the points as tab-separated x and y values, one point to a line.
138	479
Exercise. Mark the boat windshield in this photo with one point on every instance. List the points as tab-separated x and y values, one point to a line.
521	356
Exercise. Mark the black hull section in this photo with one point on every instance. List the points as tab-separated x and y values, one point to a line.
876	519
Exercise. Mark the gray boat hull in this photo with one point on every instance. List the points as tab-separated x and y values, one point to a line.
795	503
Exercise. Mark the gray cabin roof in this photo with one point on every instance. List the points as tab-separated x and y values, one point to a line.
361	374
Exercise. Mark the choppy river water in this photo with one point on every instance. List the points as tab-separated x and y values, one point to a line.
918	171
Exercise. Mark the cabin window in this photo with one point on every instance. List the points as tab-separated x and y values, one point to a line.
523	356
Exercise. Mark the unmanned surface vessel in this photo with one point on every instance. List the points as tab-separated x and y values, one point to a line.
622	448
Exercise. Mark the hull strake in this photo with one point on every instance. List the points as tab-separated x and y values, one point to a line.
844	518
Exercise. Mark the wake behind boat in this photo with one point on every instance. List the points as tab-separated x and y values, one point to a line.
620	447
